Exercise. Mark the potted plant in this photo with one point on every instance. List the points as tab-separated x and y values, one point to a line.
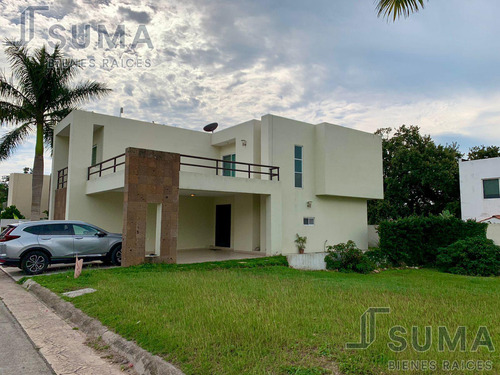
301	243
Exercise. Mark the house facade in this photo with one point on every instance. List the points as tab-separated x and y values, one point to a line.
480	189
249	187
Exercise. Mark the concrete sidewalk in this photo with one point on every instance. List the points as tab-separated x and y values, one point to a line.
62	347
17	353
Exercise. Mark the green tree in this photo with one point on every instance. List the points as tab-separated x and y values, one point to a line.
483	152
11	212
394	9
420	177
4	190
39	94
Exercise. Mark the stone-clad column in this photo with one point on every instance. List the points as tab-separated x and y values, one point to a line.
150	177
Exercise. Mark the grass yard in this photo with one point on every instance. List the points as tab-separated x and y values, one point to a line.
260	317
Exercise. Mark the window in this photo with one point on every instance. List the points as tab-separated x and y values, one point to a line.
491	188
298	166
51	230
229	168
37	229
84	230
309	221
94	155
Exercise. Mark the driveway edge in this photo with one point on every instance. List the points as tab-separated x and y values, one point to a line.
144	362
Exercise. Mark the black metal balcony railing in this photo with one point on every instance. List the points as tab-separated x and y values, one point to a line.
220	166
62	178
249	169
106	165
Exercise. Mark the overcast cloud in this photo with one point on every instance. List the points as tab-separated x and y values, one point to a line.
335	61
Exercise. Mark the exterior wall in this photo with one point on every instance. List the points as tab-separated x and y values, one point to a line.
196	222
472	173
337	218
20	193
349	162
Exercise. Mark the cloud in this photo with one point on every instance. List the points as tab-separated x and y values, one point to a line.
229	61
139	17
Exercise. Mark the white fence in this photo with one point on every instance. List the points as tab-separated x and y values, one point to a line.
493	233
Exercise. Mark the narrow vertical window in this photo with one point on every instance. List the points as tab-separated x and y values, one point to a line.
298	166
94	155
229	168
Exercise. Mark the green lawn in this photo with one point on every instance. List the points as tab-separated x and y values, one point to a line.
259	317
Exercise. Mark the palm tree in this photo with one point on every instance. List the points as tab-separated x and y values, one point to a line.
39	95
397	8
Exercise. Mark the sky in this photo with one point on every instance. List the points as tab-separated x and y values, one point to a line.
195	62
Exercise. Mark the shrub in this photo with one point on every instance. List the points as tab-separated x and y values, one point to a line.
377	257
346	257
414	240
475	256
11	212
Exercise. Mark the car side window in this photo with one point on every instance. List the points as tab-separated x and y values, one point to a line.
36	229
84	230
58	230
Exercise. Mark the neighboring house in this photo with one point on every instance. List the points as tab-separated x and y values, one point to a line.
480	188
249	187
20	193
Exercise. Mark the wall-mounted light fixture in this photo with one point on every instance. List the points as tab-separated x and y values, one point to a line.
244	142
309	204
193	195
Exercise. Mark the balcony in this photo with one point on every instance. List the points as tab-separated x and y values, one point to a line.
248	170
197	173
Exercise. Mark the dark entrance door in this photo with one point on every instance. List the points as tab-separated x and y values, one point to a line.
223	225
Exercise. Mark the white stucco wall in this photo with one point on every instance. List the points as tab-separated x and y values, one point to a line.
472	174
196	222
20	193
337	218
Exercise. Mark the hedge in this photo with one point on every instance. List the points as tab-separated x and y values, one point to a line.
415	240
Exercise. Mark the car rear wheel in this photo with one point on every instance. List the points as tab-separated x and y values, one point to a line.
116	255
35	262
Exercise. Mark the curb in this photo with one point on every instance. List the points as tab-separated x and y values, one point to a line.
144	362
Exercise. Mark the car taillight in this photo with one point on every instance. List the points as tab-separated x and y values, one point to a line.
7	236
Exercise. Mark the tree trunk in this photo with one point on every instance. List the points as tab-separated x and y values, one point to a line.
37	181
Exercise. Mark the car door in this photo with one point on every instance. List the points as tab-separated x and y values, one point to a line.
58	239
87	242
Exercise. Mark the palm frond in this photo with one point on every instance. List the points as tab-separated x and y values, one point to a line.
13	114
82	93
9	91
11	140
396	8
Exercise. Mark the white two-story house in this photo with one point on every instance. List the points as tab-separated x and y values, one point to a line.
249	187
